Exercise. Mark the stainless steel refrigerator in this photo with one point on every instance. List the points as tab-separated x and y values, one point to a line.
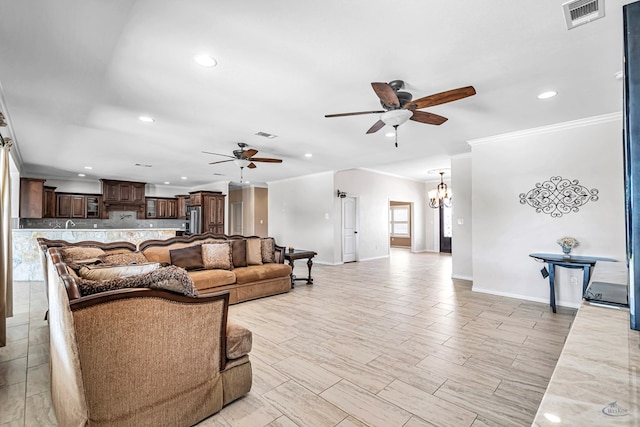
194	219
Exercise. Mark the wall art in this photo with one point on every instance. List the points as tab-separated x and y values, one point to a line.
558	196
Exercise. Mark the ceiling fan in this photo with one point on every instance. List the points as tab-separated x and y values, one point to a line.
243	158
398	106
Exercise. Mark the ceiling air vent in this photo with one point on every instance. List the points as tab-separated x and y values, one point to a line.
580	12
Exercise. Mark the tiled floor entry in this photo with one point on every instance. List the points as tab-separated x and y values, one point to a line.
389	342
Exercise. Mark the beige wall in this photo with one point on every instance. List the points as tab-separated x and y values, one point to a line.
261	211
254	210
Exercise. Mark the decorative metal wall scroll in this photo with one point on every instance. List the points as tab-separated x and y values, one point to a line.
558	196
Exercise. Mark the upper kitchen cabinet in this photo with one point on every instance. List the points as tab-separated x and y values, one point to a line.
32	201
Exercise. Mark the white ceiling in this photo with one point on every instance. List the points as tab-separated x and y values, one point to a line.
77	74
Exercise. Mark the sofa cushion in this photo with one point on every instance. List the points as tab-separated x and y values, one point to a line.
255	273
124	258
208	279
101	272
169	278
239	341
254	251
217	255
239	253
160	253
189	258
268	248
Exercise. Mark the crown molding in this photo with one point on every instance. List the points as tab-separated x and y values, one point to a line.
589	121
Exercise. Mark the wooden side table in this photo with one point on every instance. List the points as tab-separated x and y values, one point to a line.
300	254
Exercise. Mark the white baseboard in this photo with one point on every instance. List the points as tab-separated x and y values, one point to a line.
461	277
569	304
372	258
327	263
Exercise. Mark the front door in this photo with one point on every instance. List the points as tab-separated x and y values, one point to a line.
349	229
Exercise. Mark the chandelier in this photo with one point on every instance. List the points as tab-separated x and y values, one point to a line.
440	196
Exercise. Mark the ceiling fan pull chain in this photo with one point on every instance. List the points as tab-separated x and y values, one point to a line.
396	128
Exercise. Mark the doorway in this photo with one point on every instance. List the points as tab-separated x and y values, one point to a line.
446	226
400	219
349	229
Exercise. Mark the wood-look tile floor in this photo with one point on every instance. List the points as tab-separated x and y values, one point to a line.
389	342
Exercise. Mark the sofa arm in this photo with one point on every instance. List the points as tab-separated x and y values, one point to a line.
239	341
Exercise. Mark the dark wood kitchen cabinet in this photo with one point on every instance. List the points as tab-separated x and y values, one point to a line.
71	206
181	206
122	191
213	207
31	198
49	202
161	208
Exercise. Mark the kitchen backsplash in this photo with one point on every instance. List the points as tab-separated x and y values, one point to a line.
117	220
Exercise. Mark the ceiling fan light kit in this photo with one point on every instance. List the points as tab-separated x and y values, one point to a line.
399	106
243	158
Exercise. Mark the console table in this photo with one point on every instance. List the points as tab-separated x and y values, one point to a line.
300	254
571	261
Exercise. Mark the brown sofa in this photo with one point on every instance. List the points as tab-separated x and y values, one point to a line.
244	282
139	356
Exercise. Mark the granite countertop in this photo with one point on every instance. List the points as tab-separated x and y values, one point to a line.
597	379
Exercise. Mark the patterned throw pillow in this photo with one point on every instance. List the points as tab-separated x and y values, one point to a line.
75	253
189	258
124	258
217	255
239	253
113	271
254	251
268	250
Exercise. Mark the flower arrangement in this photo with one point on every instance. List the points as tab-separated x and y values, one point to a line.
569	242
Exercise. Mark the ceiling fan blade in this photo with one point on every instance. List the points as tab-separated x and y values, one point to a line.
249	153
441	98
386	94
252	166
354	114
221	161
376	127
428	118
265	160
218	154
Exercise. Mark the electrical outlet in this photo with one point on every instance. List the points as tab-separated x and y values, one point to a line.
574	280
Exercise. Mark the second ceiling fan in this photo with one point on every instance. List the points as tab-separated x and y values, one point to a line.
398	106
243	158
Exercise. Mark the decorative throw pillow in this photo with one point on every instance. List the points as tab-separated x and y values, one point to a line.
113	271
268	247
254	251
239	253
124	258
189	258
75	253
217	255
170	278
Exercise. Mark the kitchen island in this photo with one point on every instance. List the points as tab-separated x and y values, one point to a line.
26	259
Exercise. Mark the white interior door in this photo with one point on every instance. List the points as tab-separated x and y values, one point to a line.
349	229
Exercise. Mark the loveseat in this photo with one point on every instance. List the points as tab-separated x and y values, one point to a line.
162	355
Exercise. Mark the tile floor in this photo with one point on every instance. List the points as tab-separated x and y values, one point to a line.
389	342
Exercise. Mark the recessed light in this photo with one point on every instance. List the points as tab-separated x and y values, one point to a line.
183	177
390	134
88	167
146	119
308	155
205	60
167	183
549	94
81	174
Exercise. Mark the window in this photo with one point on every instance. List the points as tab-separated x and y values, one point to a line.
399	221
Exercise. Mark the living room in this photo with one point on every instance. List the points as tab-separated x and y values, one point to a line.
497	144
